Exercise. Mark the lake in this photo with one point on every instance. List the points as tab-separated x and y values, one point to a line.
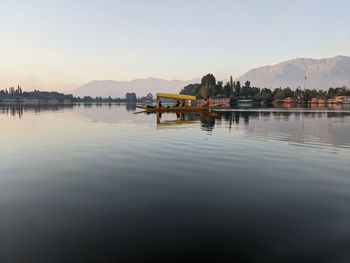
100	183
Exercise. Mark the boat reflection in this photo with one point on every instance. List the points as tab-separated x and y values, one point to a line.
178	120
303	126
206	119
299	127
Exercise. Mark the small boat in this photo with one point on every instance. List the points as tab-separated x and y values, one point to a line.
175	109
185	104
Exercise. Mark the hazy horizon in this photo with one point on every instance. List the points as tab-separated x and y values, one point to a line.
61	45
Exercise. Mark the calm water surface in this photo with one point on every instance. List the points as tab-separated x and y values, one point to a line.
99	183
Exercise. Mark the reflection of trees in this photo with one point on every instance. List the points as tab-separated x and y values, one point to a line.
87	105
337	114
19	110
285	115
208	121
131	106
15	110
266	114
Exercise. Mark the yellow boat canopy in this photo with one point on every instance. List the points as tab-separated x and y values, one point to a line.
175	96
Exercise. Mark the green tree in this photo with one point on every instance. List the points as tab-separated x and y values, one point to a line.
216	90
209	80
238	88
298	93
265	95
204	91
130	97
278	94
288	93
227	89
149	97
246	90
191	89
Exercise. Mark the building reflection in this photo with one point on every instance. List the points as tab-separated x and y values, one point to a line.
300	127
208	121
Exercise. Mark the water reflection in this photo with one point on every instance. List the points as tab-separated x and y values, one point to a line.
298	125
99	183
130	106
19	110
180	120
302	127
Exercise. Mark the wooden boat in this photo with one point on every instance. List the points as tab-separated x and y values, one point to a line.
176	109
185	104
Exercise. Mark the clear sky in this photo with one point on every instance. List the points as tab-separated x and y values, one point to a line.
61	44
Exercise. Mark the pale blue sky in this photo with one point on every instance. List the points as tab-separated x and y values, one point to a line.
62	44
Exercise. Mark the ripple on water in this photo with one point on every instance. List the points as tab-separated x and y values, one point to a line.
228	187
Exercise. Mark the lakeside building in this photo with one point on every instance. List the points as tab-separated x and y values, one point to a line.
321	101
290	100
340	100
335	100
223	101
313	101
31	101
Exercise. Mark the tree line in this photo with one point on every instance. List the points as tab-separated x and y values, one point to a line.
129	98
16	94
209	87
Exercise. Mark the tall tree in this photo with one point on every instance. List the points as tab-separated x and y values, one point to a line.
204	91
209	80
149	97
130	97
216	90
238	87
227	90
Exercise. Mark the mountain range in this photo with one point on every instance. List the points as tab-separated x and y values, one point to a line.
113	88
319	74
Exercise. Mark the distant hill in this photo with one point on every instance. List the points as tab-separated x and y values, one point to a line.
141	87
321	73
